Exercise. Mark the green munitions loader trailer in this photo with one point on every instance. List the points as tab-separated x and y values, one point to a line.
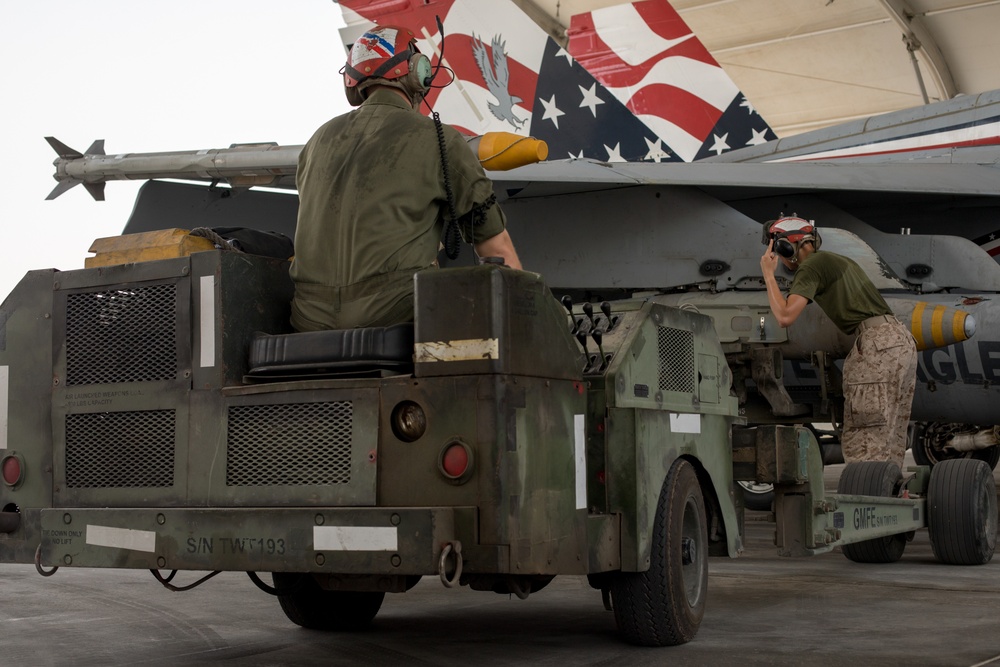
160	415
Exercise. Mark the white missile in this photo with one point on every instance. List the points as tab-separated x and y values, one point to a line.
241	165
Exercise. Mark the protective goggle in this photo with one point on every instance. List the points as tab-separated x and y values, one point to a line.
786	243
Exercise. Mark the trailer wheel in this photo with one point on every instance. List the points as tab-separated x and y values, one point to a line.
757	497
664	605
873	478
962	512
312	607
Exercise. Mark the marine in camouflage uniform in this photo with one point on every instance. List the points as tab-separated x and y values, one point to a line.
880	370
372	195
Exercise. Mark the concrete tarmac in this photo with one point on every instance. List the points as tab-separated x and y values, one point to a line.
762	610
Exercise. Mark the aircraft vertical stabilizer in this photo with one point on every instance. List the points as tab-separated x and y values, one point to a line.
990	243
645	54
512	77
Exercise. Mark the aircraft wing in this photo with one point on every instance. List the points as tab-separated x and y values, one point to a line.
743	180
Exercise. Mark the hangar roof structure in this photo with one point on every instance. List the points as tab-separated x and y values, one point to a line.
809	64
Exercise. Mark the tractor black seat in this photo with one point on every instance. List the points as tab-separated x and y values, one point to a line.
365	352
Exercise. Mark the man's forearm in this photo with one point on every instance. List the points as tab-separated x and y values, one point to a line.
500	245
774	296
785	310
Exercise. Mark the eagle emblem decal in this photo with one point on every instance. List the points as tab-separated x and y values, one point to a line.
497	77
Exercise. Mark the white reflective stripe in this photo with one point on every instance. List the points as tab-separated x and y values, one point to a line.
4	397
457	350
580	443
354	538
121	538
685	423
207	316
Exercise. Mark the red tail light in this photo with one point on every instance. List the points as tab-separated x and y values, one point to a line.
456	461
11	467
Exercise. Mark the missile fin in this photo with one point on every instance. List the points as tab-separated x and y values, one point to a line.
96	190
65	151
96	148
62	187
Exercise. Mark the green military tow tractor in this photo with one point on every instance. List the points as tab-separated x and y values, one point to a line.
160	415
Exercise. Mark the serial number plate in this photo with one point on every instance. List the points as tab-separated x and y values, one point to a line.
236	545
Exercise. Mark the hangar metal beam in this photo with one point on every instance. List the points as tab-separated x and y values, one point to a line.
545	20
920	40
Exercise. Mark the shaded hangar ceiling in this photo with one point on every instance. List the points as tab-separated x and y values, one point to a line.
808	64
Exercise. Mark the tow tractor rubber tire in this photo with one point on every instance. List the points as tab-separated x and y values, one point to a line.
872	478
664	605
757	497
962	512
312	607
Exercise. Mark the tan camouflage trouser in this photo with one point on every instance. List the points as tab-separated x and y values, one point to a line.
879	379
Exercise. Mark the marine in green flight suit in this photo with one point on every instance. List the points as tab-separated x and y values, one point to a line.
373	199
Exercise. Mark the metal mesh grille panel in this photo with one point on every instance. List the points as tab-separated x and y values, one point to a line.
120	449
121	335
676	348
293	444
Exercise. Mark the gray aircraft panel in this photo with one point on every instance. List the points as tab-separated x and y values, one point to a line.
561	176
962	110
663	238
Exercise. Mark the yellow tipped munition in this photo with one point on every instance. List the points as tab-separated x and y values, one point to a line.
500	151
936	325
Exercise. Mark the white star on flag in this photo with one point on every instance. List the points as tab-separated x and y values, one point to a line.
758	137
748	105
590	99
552	112
656	151
614	154
563	53
720	145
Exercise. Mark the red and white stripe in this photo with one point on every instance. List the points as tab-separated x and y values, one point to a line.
369	47
650	60
992	246
987	134
464	103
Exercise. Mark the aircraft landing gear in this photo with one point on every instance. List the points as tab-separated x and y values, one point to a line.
933	442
